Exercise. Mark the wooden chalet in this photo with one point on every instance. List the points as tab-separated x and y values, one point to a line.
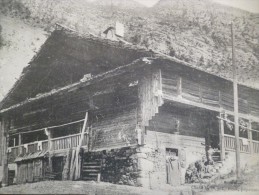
124	107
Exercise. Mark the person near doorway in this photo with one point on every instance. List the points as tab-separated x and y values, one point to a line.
173	169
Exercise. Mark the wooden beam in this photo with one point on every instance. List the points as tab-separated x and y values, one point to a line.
4	153
207	107
236	117
50	148
77	168
250	137
221	139
20	144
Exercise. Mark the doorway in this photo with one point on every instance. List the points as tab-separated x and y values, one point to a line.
173	172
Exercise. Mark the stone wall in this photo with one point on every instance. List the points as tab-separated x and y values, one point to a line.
152	160
145	165
118	166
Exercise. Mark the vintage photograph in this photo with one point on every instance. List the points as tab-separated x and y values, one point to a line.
111	97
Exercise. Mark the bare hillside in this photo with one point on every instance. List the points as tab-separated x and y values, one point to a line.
196	31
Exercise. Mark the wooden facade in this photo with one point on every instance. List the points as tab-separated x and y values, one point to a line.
133	100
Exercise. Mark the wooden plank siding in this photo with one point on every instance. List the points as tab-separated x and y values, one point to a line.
150	95
198	90
184	121
115	129
113	113
30	171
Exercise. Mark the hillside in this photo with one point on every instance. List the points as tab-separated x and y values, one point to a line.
196	31
20	44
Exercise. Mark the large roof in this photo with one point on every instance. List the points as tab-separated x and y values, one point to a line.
64	59
67	56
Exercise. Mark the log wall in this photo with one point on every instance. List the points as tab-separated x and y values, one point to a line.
207	90
185	121
115	128
113	112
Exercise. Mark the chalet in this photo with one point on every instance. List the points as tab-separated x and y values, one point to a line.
88	108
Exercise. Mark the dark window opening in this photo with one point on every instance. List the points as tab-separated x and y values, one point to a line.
34	136
171	151
67	130
58	165
255	134
13	141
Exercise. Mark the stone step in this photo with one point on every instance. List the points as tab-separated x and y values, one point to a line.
90	178
91	167
91	164
90	170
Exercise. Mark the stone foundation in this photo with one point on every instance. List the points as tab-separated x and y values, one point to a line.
118	166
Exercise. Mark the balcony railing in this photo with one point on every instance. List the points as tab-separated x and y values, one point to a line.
59	143
256	147
66	142
245	144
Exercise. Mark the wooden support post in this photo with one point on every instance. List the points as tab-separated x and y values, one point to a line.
250	137
77	165
179	87
236	118
19	144
4	153
50	148
221	138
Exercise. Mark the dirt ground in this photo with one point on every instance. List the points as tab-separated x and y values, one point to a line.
248	186
88	188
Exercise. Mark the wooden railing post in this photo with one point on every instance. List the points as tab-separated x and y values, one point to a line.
250	137
50	147
221	138
20	151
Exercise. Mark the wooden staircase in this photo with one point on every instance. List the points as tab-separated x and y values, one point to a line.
91	169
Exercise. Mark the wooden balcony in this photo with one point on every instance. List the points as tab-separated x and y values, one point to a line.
66	142
246	146
57	144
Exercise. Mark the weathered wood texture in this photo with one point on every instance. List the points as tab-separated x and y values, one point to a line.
71	106
185	121
69	56
4	142
113	105
30	171
115	128
150	95
198	87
